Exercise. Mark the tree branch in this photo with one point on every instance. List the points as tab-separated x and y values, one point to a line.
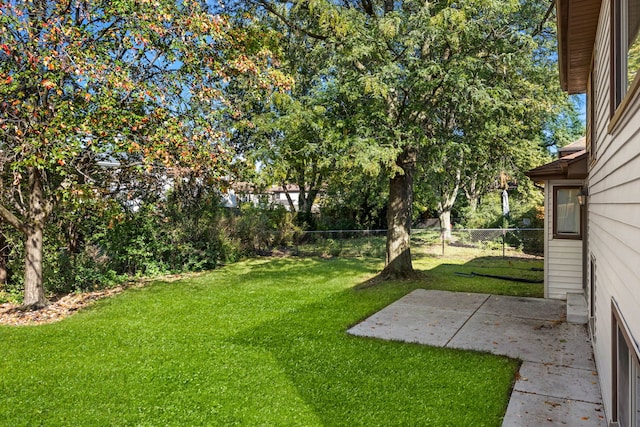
540	26
367	6
12	220
288	22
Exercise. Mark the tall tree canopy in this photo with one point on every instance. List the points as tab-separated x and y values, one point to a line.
96	91
301	135
427	77
292	135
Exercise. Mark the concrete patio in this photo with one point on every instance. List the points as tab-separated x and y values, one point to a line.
558	382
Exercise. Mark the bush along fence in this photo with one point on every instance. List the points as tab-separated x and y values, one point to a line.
513	242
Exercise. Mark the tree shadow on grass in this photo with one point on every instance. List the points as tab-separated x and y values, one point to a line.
470	276
300	263
301	360
348	380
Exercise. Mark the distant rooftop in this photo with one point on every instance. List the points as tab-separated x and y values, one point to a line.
573	147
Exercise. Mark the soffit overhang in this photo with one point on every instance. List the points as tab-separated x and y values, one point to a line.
577	25
573	166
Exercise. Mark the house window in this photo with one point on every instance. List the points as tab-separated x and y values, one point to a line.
626	374
626	48
566	213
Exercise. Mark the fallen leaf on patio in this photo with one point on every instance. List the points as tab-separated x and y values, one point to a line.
584	418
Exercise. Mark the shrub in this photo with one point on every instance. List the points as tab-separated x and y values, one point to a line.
257	229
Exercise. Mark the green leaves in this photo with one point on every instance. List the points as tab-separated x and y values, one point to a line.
143	78
113	98
443	76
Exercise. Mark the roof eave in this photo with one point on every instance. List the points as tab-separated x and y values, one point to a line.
570	167
577	24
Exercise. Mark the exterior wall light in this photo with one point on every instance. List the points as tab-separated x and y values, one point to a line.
582	196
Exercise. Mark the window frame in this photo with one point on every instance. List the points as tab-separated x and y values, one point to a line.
564	235
622	91
619	329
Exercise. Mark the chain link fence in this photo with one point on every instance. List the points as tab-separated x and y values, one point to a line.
511	242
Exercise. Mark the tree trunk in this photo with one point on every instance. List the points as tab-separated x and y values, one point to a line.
471	191
473	203
33	245
33	281
398	261
292	206
305	207
445	204
445	223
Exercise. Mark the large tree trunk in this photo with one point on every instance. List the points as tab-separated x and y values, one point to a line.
398	262
33	229
34	233
444	212
446	202
305	207
33	282
471	191
445	223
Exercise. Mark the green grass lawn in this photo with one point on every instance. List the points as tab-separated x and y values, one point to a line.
260	342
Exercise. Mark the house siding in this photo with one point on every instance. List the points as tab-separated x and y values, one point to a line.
563	257
614	211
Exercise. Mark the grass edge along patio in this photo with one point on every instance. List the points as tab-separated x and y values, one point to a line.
260	342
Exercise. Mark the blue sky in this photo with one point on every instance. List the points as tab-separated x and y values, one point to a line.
581	103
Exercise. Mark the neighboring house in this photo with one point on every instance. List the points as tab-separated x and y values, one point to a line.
278	196
595	248
274	195
241	192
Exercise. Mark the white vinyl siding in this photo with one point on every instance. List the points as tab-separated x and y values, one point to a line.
563	257
614	210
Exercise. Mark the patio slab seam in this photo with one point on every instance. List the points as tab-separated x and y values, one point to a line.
533	393
561	382
467	321
557	383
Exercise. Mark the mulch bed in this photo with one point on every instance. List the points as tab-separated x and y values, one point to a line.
58	308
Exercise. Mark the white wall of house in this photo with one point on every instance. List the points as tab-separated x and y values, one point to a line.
563	257
613	210
280	198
